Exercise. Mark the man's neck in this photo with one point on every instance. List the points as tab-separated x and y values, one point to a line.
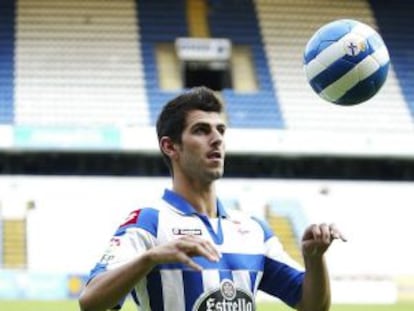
202	198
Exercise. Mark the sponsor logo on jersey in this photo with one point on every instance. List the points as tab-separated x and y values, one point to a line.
180	231
109	254
225	298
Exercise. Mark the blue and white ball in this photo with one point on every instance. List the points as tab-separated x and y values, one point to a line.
346	62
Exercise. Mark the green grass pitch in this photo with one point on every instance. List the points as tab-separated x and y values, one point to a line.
71	305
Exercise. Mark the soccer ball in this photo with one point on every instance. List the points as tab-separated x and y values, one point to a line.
346	62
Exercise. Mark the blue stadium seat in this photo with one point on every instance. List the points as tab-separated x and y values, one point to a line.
7	42
396	29
238	22
163	21
159	22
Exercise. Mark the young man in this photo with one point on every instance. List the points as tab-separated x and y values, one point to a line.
187	253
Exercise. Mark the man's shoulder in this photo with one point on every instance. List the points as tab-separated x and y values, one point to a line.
135	215
145	216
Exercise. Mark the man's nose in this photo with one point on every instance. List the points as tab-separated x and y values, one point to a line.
217	137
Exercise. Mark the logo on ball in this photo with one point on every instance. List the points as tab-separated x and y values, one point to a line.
354	46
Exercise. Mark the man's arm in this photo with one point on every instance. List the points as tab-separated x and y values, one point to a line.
107	289
316	291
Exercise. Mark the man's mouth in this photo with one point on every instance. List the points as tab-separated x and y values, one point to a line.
214	155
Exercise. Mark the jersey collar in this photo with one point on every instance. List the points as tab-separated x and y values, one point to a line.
179	203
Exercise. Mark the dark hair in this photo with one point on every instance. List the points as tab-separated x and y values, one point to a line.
172	119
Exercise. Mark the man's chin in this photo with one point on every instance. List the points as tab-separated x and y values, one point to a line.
216	174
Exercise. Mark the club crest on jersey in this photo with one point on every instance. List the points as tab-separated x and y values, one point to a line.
225	298
180	231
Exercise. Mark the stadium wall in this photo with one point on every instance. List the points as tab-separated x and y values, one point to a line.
72	218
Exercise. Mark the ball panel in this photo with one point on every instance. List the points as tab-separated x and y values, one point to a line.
313	69
376	42
324	59
363	30
330	75
311	49
367	67
324	38
335	30
361	92
378	76
337	89
381	56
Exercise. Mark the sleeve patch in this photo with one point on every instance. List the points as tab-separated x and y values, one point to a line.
132	218
145	218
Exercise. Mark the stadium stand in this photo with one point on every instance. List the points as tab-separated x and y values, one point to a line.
285	31
14	244
78	64
94	64
159	22
75	60
401	46
197	18
156	27
239	23
7	43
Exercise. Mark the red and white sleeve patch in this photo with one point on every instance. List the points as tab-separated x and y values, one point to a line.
131	219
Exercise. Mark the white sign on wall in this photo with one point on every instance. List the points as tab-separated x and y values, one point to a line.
203	49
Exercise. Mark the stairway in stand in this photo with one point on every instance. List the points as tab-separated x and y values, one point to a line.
14	244
282	227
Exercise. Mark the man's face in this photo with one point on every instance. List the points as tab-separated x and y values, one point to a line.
201	153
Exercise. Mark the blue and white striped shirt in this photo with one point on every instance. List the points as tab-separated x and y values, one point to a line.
253	259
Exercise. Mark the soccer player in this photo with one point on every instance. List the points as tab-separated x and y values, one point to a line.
187	253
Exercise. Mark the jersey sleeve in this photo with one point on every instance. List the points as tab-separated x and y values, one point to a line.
136	235
282	276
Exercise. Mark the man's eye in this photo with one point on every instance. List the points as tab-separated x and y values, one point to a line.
199	130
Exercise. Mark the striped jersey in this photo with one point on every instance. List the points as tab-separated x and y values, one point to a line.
252	259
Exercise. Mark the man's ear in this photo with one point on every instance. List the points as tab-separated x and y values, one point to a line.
168	147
